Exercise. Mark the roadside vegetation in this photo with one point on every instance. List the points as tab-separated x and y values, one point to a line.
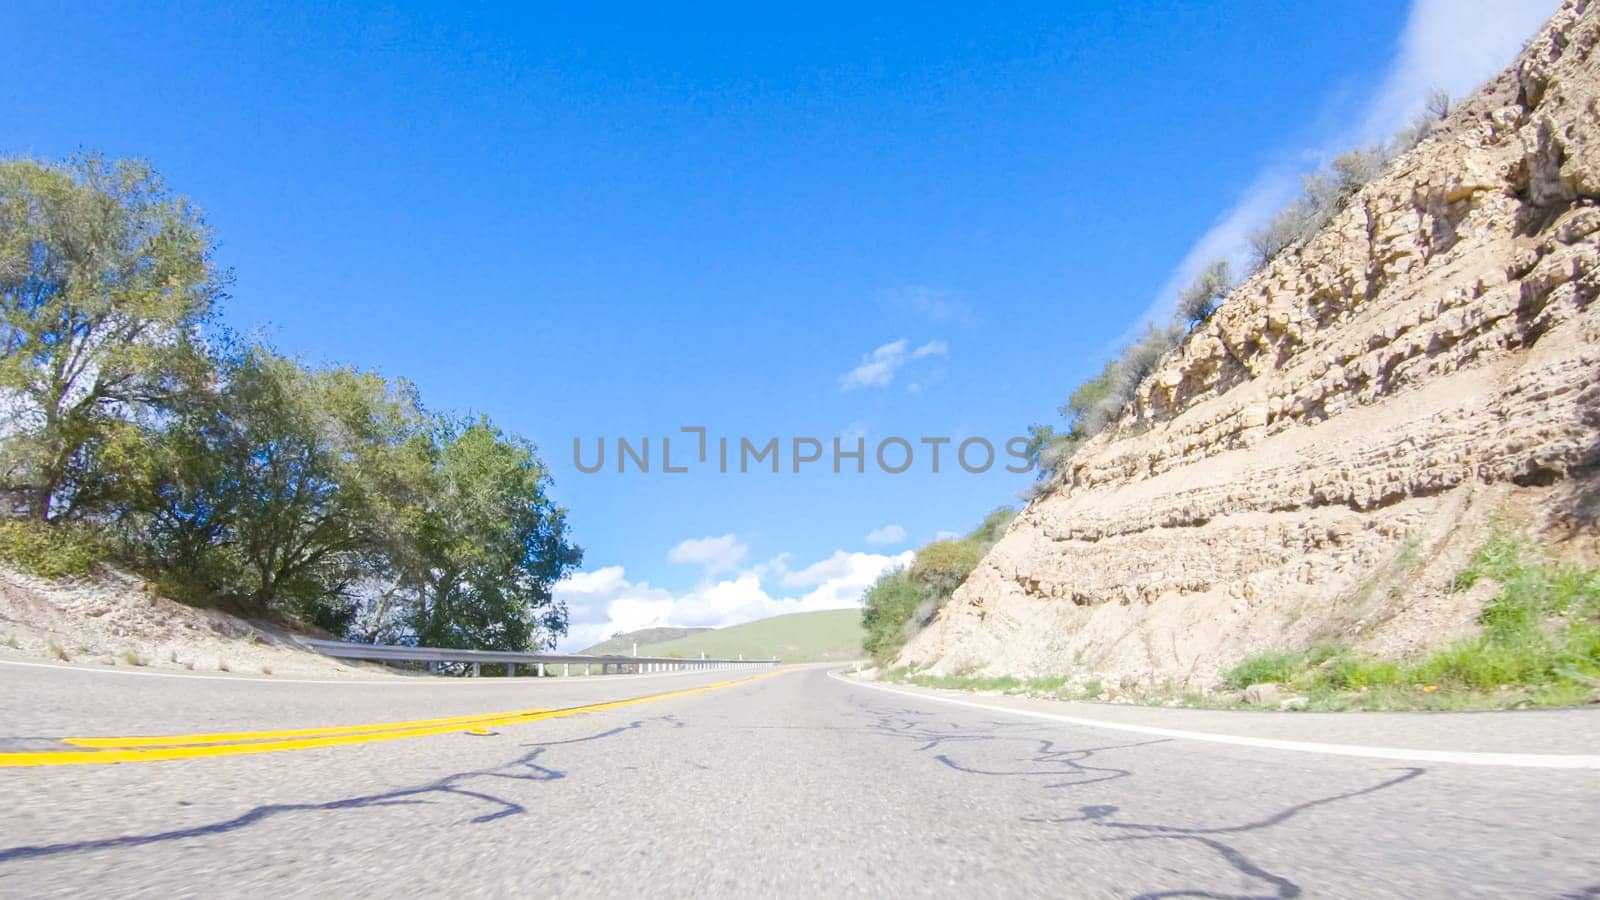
135	428
902	601
1095	404
1539	646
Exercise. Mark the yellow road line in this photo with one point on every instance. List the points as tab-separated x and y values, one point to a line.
159	754
225	737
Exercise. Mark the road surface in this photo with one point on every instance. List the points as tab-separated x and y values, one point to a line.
781	783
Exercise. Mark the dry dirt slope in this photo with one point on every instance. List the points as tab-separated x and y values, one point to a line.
114	618
1318	459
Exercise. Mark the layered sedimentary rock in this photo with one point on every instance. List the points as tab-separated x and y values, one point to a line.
1317	459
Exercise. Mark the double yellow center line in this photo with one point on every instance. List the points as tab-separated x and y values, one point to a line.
99	751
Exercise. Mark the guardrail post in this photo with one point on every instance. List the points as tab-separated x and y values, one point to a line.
475	670
566	670
540	669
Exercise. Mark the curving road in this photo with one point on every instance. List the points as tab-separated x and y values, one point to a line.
786	783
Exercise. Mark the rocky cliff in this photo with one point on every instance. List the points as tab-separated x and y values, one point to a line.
1317	459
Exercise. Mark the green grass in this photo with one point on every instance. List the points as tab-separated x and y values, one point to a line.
1539	645
826	636
1053	686
1265	667
966	682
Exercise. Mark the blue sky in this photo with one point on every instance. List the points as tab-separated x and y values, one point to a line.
619	221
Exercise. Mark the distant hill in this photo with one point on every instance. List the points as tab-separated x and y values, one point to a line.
829	635
623	643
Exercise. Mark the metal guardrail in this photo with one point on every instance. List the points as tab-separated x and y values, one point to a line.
608	665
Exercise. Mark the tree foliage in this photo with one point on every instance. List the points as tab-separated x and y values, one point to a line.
105	281
940	567
888	606
228	471
282	486
488	546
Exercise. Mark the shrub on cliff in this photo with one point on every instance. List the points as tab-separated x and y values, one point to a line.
940	567
887	607
902	601
1098	402
1327	191
1202	297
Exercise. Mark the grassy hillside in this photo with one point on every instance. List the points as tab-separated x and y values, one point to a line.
623	643
833	634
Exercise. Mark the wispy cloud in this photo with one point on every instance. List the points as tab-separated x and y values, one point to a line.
888	534
1452	46
714	554
1448	45
878	368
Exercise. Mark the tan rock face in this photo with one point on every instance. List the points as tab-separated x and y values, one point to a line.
1318	459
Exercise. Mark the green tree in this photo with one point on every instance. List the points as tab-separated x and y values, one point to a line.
887	607
489	545
288	486
940	567
105	282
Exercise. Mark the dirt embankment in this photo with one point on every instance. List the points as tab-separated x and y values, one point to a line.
113	618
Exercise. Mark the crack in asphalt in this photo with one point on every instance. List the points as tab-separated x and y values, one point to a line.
1068	766
524	768
1043	757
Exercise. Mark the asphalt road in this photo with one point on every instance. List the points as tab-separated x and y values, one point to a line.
786	783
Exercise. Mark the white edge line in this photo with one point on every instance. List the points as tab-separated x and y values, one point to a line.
1459	757
395	681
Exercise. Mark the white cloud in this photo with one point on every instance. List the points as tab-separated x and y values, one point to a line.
888	534
603	602
716	554
878	368
1449	45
